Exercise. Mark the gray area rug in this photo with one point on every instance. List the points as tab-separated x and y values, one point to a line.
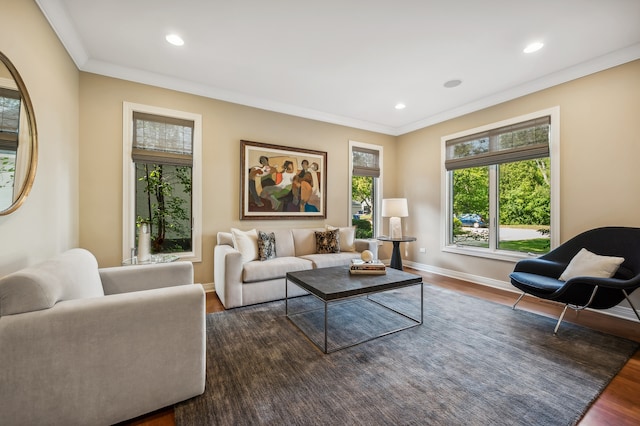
472	362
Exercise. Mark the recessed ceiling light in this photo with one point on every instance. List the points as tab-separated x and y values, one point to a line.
175	39
533	47
400	106
452	83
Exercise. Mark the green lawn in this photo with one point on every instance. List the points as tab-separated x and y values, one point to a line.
536	245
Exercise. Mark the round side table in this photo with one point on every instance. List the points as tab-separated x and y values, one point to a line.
396	258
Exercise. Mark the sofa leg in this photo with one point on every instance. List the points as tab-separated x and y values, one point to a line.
518	301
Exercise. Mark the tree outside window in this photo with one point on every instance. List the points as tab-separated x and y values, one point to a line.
362	197
164	201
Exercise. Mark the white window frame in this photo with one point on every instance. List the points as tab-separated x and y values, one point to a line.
446	190
378	189
129	179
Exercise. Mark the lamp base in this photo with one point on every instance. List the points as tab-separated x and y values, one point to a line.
395	227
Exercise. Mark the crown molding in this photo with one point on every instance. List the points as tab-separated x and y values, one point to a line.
57	17
601	63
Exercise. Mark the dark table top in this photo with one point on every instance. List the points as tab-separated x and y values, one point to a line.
338	283
403	239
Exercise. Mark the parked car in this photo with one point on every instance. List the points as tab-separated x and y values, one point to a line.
472	219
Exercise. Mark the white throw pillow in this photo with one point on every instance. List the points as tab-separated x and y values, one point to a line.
246	242
347	237
587	264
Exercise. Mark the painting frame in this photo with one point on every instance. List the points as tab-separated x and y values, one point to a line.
281	182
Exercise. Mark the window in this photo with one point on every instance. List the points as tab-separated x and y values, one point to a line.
162	179
366	188
501	187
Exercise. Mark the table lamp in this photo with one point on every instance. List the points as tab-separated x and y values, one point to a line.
394	209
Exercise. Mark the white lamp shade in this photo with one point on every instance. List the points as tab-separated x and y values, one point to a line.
395	207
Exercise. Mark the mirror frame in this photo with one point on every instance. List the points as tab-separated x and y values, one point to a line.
33	151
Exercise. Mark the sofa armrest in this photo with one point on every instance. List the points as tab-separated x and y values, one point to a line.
227	275
139	351
370	244
123	279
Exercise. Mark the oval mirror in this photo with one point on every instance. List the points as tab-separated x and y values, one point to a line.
18	147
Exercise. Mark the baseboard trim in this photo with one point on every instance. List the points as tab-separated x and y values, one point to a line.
209	287
619	311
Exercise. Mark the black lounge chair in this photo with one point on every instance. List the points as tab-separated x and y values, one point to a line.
540	277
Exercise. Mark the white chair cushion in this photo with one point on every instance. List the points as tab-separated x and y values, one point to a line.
587	264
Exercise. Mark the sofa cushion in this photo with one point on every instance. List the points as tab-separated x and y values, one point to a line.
273	268
347	237
70	275
246	242
331	259
304	240
266	245
284	242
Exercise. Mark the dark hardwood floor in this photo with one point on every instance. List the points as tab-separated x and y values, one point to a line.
619	403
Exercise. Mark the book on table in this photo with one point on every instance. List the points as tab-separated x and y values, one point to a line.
368	271
360	267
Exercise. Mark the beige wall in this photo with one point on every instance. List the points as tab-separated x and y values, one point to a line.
224	125
600	173
76	199
47	223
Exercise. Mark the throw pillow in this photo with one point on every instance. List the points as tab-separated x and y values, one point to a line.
347	237
587	264
246	242
266	245
328	241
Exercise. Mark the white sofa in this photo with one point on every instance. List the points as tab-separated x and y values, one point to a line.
86	346
241	279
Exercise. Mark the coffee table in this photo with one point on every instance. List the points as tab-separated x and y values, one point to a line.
336	285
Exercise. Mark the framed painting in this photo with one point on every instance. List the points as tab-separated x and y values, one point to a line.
281	182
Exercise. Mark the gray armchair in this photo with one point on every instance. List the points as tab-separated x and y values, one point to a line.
82	345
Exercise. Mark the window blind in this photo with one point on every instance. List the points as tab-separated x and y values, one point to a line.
162	140
9	118
366	162
517	142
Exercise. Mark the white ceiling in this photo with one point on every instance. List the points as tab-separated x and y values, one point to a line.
350	61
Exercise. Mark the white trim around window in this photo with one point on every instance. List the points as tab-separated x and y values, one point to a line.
128	178
554	152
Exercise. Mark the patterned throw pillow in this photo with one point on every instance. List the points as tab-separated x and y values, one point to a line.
266	245
328	241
